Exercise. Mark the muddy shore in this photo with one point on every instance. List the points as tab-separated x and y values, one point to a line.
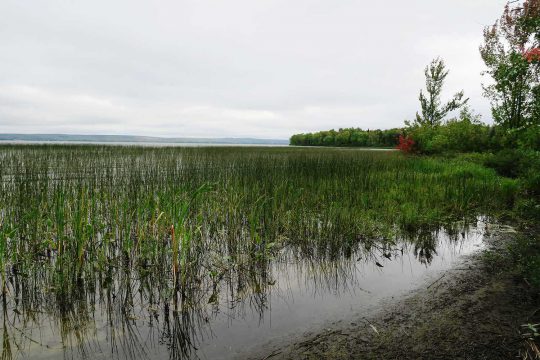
472	311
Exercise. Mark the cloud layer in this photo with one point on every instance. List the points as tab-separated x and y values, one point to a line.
230	68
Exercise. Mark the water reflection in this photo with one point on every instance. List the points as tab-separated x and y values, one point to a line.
123	313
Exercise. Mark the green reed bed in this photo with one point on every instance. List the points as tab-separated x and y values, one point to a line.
175	226
94	204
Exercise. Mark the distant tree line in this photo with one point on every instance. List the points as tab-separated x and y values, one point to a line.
349	137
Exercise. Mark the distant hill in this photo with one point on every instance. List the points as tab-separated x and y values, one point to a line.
137	139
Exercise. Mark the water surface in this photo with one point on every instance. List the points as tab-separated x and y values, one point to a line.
301	294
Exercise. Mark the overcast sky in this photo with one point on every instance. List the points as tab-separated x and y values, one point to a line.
258	68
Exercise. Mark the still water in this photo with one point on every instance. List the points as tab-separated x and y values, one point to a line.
300	294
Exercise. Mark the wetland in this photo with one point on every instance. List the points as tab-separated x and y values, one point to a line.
210	252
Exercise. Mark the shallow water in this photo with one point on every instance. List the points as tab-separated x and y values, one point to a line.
300	294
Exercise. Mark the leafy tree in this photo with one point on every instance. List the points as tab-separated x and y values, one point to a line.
512	55
433	112
343	137
463	134
349	137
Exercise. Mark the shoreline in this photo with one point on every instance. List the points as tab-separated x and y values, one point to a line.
470	311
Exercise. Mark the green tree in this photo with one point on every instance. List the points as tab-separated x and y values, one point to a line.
515	91
343	137
433	112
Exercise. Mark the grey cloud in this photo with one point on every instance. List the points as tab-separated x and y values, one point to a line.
234	68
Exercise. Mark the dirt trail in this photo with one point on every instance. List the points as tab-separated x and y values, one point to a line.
472	311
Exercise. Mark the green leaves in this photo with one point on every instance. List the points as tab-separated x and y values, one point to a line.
514	98
433	112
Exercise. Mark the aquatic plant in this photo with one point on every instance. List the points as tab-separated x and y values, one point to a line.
142	231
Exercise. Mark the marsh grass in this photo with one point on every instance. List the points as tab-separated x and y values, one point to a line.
168	230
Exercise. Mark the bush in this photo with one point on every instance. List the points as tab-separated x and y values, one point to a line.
462	135
476	158
529	138
506	162
405	144
531	173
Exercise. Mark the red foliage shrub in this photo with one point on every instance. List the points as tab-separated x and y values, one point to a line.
405	144
532	54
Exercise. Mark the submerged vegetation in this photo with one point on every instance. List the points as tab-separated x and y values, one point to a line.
168	230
